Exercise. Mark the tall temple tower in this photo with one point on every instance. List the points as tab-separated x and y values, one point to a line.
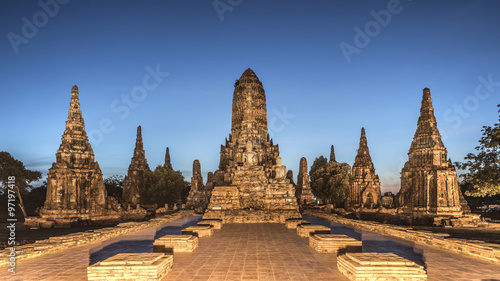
429	185
251	184
75	187
365	190
137	166
303	190
197	197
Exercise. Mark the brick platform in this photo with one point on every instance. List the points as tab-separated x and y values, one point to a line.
306	230
132	266
216	224
292	224
379	266
200	231
175	243
332	243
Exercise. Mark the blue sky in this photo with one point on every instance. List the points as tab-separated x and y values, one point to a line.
317	94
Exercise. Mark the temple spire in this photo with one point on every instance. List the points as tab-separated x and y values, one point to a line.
75	180
137	166
249	112
429	183
303	190
427	135
332	154
363	151
365	189
139	146
168	164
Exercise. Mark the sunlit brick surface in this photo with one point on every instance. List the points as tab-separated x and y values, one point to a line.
216	224
176	243
332	243
307	229
379	266
199	230
132	266
292	224
250	252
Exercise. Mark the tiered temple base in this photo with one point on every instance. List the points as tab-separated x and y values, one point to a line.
379	266
199	230
332	243
251	216
216	224
293	223
132	266
175	243
308	229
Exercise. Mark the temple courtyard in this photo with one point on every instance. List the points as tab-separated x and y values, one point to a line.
252	252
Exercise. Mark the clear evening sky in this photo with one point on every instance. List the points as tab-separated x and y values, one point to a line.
328	69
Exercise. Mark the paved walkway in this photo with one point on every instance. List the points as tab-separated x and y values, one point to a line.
251	252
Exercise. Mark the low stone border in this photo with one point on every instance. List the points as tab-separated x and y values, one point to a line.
475	248
61	243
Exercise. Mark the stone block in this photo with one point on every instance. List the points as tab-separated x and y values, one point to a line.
199	230
215	223
333	243
379	266
132	266
293	223
175	243
308	229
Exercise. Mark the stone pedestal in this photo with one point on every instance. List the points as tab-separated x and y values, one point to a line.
379	266
175	243
200	231
132	266
216	224
308	229
333	243
293	223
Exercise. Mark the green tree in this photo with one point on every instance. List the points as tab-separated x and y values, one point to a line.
483	169
161	186
114	186
10	167
330	181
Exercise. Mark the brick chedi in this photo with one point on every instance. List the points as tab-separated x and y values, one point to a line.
303	190
250	184
332	154
168	163
137	166
75	187
197	197
365	190
429	185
